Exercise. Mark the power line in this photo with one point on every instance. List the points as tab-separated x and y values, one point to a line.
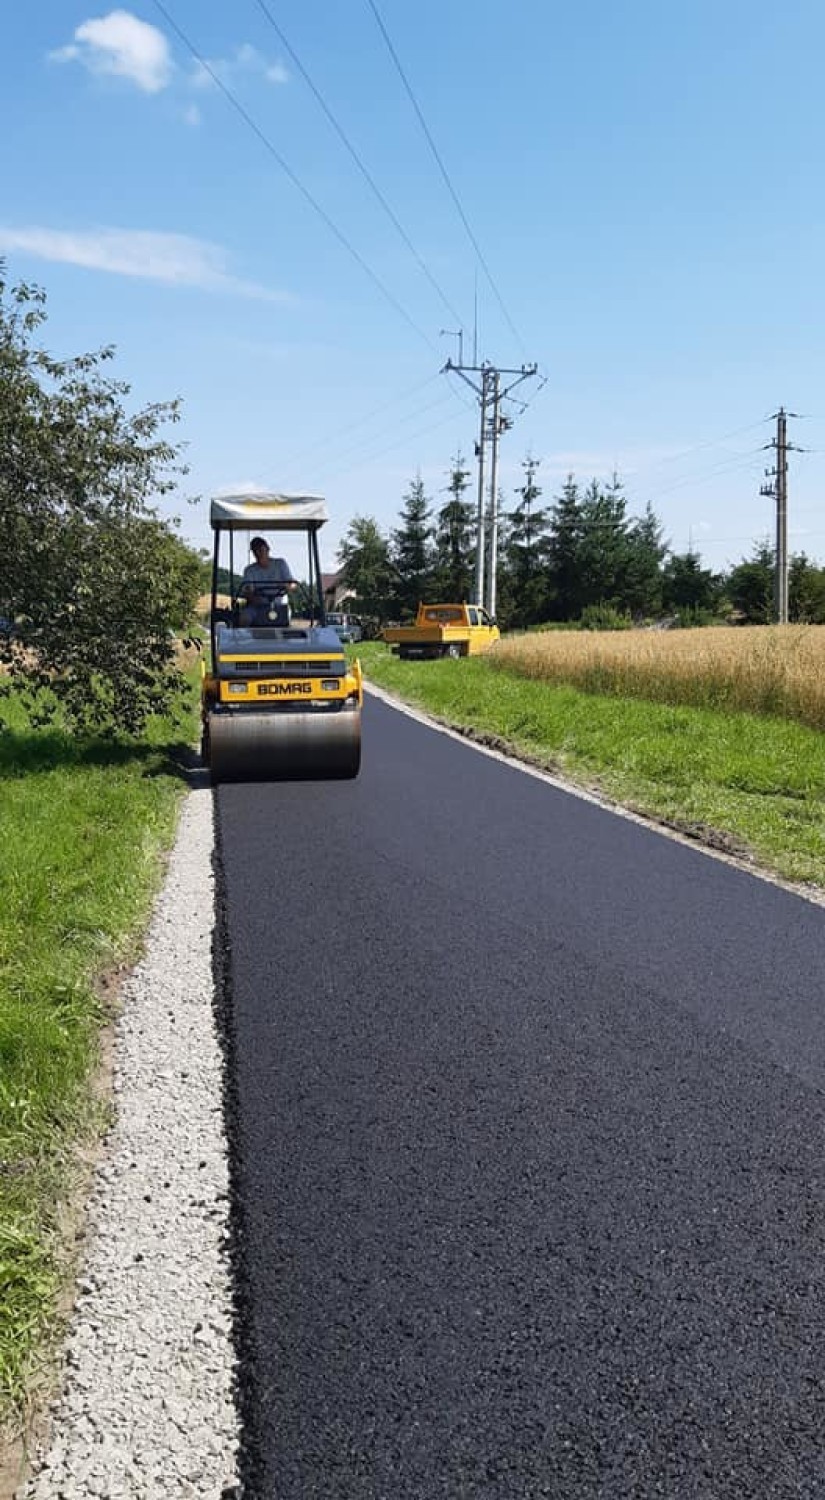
525	405
412	438
294	179
457	391
370	438
444	173
333	440
741	461
348	427
672	458
750	536
356	157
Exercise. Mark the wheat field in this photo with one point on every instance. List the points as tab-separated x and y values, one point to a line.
777	670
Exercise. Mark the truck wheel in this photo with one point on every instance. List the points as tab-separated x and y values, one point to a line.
453	650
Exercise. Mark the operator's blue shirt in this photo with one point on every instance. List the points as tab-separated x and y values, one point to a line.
275	571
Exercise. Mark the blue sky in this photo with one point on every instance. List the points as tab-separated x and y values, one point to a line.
643	181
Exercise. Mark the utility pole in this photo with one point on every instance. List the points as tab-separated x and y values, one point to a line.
484	397
499	424
778	490
490	395
781	588
490	582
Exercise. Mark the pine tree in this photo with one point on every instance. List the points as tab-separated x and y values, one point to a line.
411	552
599	556
524	552
806	590
563	553
688	589
454	538
643	578
749	585
604	550
364	556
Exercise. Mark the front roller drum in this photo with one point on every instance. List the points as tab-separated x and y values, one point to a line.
282	746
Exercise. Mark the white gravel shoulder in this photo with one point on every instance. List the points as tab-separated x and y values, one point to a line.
147	1408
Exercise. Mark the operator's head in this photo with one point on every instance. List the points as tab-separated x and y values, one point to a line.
260	548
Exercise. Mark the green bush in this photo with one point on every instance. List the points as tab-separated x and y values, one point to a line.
604	616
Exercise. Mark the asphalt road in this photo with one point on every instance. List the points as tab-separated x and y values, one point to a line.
528	1134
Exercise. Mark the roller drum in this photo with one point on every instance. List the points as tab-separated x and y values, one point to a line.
282	746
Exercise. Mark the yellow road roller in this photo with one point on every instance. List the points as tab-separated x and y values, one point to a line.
280	701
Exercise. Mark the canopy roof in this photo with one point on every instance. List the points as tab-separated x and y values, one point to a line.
268	512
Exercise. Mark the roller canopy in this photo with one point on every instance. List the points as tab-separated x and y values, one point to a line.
269	512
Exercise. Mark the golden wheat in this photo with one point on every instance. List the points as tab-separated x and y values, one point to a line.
777	670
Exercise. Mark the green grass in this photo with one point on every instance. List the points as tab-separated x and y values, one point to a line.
85	825
753	785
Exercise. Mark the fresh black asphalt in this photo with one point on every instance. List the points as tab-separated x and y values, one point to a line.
528	1144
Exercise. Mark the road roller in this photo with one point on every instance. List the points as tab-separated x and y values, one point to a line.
280	700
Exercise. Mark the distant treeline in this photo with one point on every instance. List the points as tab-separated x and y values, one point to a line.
583	558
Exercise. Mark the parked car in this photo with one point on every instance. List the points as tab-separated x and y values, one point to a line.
348	627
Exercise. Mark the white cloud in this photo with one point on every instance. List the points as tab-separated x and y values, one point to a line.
245	59
121	45
174	259
192	114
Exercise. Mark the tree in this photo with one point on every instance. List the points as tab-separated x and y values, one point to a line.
599	557
603	552
806	591
454	538
563	553
750	585
525	552
641	586
92	575
366	567
411	552
687	587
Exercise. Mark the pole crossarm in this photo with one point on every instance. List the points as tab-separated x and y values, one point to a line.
453	369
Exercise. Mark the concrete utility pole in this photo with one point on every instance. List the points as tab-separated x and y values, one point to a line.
484	395
490	581
778	490
781	589
490	395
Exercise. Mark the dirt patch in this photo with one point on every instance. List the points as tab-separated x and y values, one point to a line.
712	838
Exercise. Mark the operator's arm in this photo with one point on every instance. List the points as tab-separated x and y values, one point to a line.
247	586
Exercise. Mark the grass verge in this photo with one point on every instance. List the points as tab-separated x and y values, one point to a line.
85	825
752	785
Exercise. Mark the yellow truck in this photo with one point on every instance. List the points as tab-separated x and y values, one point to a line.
444	630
